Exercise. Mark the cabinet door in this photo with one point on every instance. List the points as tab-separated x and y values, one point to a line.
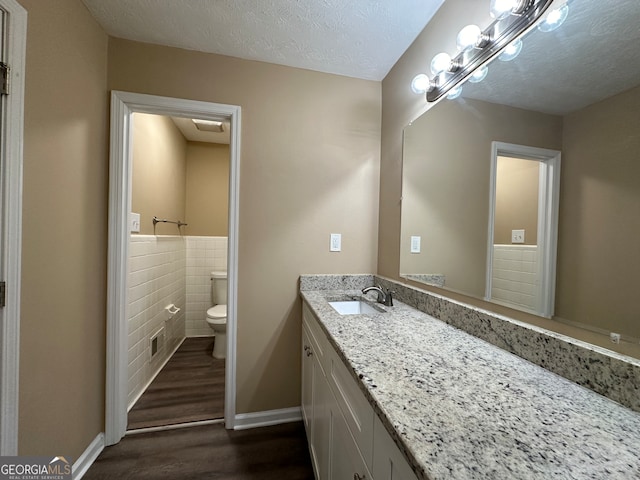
346	463
388	462
307	383
323	402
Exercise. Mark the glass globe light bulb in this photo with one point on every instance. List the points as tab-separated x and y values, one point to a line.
468	37
440	63
502	8
554	19
511	51
479	74
420	83
455	92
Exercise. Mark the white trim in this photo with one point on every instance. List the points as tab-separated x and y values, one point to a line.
176	426
153	377
244	421
123	105
13	125
548	199
87	458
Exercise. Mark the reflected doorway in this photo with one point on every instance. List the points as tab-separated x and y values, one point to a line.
523	224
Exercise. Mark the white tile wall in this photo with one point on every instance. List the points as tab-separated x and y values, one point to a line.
515	278
165	270
204	255
156	278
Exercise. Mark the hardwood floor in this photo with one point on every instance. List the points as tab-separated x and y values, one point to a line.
208	452
189	388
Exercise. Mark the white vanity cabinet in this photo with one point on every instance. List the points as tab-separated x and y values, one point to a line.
346	439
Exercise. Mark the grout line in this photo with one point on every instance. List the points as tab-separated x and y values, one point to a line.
177	426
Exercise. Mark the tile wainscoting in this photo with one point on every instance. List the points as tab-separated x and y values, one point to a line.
167	270
156	279
515	279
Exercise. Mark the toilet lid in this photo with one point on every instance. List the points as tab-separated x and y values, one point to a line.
217	311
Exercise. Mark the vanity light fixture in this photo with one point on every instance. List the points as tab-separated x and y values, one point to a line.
554	19
476	47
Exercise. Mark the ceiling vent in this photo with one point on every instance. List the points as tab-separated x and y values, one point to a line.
208	125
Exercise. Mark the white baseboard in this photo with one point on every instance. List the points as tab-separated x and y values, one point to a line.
154	375
87	458
266	418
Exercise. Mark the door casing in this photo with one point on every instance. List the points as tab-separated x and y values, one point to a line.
15	30
123	105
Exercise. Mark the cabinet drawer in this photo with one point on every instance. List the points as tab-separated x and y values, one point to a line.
357	412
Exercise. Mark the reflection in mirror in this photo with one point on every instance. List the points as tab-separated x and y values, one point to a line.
523	227
574	90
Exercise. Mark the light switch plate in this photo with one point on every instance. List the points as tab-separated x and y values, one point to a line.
134	222
415	244
517	236
335	244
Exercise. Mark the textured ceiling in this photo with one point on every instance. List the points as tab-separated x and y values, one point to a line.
356	38
592	56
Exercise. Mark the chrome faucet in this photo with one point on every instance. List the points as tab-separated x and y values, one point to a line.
383	297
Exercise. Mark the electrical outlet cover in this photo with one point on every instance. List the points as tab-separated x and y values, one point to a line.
335	244
134	222
415	244
517	236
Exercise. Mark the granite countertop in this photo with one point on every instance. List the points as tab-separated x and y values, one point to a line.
461	408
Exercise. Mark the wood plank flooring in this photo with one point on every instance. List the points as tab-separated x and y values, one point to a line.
208	452
189	388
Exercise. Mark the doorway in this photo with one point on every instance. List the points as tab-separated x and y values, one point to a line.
177	255
523	227
123	106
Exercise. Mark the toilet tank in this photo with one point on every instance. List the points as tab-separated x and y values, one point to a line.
219	287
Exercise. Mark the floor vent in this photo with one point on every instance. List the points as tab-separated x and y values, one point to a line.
155	343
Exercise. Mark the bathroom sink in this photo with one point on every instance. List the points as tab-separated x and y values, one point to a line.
353	307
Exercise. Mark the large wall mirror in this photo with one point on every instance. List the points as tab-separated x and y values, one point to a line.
478	203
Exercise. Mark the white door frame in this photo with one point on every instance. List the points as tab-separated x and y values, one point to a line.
123	105
12	140
548	202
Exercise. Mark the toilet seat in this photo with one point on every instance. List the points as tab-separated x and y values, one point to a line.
217	314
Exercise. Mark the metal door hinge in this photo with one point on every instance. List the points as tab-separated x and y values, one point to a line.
3	294
4	79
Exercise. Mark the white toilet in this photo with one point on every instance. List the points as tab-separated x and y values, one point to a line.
217	315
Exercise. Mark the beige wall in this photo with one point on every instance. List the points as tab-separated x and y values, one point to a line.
516	200
309	167
207	208
598	256
446	184
159	173
400	106
62	330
